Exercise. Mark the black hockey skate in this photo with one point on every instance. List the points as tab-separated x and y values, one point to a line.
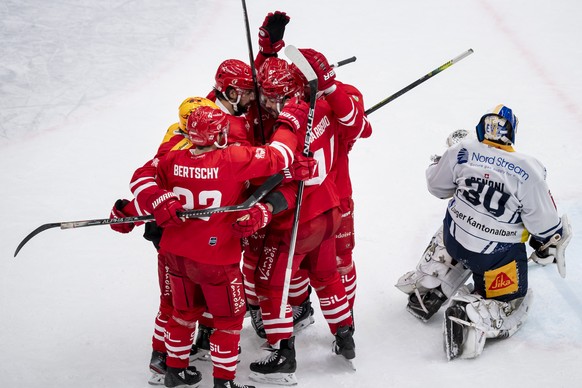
201	348
182	378
278	367
257	320
344	344
454	331
428	305
303	314
220	383
158	368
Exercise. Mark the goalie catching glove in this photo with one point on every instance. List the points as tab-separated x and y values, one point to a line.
553	250
271	33
253	219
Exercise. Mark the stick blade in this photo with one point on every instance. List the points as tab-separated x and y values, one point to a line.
299	60
34	233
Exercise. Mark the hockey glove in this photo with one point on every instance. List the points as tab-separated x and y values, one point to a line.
253	219
294	114
544	253
325	73
554	249
165	206
117	212
302	169
271	33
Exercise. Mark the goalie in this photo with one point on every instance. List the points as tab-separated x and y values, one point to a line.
499	199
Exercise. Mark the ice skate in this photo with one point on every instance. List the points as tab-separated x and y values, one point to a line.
221	383
182	377
158	368
344	344
278	367
302	315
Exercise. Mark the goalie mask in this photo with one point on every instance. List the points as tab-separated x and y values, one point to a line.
190	104
498	125
206	125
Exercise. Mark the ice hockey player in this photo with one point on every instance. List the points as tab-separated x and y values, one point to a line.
205	267
499	199
437	276
319	219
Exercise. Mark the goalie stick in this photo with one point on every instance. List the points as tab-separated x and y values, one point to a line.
299	60
255	197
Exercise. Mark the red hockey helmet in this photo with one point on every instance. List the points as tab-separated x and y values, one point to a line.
271	65
205	125
235	73
190	104
281	84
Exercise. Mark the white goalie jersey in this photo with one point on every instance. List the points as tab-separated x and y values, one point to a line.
498	195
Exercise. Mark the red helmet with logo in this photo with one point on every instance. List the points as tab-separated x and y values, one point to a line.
271	65
282	83
205	125
235	73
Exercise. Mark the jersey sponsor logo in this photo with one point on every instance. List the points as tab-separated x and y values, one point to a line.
501	281
196	172
482	227
237	296
215	348
463	156
320	128
260	153
332	300
268	263
499	161
343	235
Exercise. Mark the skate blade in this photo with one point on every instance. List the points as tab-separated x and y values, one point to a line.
274	378
303	324
415	314
202	355
156	379
349	363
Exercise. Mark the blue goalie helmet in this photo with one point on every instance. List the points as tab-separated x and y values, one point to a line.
499	125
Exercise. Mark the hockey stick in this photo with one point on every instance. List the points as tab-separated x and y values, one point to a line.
299	60
419	81
255	197
253	70
344	62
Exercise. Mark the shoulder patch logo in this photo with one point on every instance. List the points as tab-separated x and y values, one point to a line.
463	156
260	153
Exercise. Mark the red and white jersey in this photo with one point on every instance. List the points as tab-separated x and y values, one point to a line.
213	179
320	193
143	183
355	126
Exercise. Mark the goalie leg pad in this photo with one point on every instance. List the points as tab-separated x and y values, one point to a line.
434	269
471	319
435	279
